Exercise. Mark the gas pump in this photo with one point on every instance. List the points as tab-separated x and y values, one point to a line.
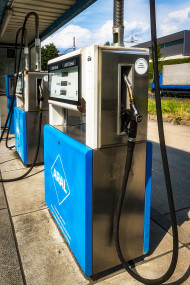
85	149
26	113
97	158
27	108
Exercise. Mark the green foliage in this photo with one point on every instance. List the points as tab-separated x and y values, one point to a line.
177	109
107	43
159	53
167	62
48	52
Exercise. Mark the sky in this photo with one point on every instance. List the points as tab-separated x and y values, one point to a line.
94	25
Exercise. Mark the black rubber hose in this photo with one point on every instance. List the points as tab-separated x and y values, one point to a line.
16	43
14	91
162	138
35	158
128	164
13	97
19	61
11	115
7	137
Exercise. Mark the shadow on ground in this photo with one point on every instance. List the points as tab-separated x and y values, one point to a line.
179	162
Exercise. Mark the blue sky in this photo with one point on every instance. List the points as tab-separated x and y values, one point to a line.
94	25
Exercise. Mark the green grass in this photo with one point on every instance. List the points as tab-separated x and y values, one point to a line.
179	110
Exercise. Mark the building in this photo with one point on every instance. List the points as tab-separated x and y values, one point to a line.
172	46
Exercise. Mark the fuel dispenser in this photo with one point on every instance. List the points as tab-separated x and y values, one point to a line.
96	154
9	86
26	114
97	158
94	148
28	92
31	100
85	148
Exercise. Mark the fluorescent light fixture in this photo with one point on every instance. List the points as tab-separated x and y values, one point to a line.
6	19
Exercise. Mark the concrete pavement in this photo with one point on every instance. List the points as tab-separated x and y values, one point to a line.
33	251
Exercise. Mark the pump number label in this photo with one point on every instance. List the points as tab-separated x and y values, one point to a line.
141	66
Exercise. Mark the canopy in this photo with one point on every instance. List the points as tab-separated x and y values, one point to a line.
52	14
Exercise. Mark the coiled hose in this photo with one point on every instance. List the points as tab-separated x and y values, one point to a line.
13	97
19	61
35	158
11	108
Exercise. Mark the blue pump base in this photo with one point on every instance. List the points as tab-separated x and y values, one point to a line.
26	135
69	179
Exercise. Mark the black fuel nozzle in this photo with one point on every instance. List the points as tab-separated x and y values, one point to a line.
125	120
134	114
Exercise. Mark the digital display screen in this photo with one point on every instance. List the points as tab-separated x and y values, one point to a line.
64	81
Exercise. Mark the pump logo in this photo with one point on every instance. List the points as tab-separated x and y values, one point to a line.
60	181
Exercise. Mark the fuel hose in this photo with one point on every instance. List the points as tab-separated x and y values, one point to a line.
19	61
14	95
9	126
128	163
14	91
11	108
35	158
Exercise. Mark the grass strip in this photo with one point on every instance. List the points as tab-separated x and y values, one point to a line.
179	110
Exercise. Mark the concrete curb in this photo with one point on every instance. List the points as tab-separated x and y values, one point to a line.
171	120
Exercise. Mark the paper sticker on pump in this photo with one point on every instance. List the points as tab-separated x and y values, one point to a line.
141	66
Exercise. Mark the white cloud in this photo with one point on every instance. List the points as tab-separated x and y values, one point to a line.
63	39
181	15
167	29
175	21
103	34
137	26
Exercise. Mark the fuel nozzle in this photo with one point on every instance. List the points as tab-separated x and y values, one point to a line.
134	112
134	116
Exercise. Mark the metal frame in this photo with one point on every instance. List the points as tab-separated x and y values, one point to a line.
68	15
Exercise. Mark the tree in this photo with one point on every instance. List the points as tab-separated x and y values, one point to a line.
48	52
107	43
159	54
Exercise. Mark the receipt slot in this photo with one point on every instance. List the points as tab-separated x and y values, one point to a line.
85	149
